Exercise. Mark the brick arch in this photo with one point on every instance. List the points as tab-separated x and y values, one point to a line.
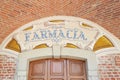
14	14
57	51
110	40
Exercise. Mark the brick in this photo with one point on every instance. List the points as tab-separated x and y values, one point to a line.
104	12
15	13
107	79
109	70
116	75
115	72
8	68
112	78
118	78
111	75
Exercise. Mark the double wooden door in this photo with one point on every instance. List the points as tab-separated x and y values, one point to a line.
57	69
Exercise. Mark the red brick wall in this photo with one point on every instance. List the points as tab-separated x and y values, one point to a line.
109	67
7	67
15	13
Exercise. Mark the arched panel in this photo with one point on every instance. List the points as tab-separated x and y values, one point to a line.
41	46
69	45
65	31
102	42
86	25
56	21
29	28
13	45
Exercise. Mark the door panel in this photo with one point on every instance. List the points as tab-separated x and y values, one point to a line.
76	70
57	69
77	79
57	79
37	79
38	70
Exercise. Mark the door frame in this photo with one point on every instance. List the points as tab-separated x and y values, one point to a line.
70	53
66	62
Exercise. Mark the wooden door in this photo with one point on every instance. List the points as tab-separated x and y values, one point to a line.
38	70
76	70
57	69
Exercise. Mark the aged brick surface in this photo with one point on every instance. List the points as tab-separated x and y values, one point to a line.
15	13
7	67
109	67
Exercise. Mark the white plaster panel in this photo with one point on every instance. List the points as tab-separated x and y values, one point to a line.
56	51
93	73
81	54
25	57
76	21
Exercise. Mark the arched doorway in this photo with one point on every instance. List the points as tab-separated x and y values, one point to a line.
57	69
59	38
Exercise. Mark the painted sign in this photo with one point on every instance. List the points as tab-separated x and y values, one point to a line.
69	32
55	34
